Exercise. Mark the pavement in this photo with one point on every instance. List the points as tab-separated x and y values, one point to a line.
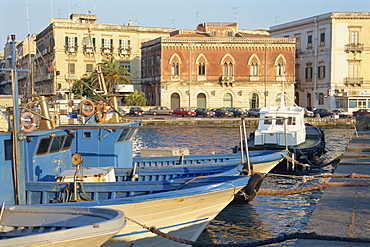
344	211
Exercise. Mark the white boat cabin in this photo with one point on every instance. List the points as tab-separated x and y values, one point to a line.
279	124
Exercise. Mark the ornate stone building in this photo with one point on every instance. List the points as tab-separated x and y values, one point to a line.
333	54
217	65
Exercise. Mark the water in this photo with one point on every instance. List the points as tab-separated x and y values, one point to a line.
266	216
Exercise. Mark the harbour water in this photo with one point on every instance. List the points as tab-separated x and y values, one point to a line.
266	216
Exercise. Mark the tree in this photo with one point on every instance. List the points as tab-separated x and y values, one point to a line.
136	99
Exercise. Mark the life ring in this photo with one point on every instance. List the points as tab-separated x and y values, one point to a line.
253	187
28	128
85	112
101	112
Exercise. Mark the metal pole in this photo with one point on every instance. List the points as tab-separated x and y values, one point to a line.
246	147
241	143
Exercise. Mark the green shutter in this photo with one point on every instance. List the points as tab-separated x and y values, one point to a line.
111	43
66	40
75	41
93	41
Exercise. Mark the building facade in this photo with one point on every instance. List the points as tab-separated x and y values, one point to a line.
217	65
332	56
69	49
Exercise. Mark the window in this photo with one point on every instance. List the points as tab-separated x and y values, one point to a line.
254	69
124	44
321	98
321	70
71	41
151	65
280	69
322	38
8	149
86	134
229	33
352	103
213	33
71	68
89	42
43	146
308	74
201	69
228	69
309	41
298	41
175	69
68	142
353	70
57	143
107	43
157	64
89	67
355	37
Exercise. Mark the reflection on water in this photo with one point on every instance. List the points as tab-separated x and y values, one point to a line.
266	216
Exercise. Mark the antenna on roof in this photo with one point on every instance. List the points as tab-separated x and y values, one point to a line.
236	13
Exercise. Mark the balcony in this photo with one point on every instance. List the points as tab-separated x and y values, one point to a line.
227	78
107	50
353	81
89	49
124	51
71	49
354	47
201	78
71	77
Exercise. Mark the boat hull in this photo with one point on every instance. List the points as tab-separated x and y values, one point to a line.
308	153
58	226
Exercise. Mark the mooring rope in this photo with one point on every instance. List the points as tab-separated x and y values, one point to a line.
284	192
292	160
283	237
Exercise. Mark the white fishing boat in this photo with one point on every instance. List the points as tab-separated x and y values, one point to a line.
58	226
282	127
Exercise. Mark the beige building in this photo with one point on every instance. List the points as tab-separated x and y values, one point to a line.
332	59
69	49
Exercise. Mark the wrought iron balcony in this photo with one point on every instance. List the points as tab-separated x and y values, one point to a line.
354	47
353	81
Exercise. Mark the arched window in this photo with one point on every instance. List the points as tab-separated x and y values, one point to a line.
228	100
229	33
228	69
280	69
321	99
175	69
254	69
201	69
255	101
296	100
213	33
175	101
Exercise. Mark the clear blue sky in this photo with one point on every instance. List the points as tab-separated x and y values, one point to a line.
166	13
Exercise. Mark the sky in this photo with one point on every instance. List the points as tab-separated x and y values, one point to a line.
23	17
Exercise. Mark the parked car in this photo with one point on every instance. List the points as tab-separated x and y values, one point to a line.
342	113
237	112
204	112
323	113
136	111
124	110
219	112
308	113
253	112
160	110
184	112
361	112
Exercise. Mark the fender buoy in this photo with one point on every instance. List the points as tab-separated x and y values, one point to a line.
253	186
85	112
101	113
28	128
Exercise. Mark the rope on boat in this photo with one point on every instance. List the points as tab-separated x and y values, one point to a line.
292	160
283	237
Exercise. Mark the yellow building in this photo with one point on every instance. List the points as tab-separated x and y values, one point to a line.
69	49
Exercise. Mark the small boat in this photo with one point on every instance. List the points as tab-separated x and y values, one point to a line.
58	226
282	127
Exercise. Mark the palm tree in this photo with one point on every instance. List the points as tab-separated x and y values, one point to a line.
113	74
136	99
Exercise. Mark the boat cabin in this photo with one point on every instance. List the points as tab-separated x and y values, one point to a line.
281	125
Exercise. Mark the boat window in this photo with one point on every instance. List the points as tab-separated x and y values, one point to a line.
8	149
57	143
86	134
43	146
68	142
122	137
279	121
291	121
267	121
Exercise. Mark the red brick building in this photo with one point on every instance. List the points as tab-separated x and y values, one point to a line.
217	65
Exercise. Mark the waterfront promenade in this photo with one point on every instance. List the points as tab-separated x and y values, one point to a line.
344	211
